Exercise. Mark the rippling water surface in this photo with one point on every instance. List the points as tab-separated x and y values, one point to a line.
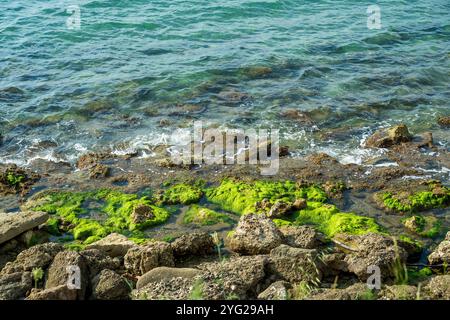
138	69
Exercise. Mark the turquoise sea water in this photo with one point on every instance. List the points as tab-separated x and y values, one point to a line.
137	69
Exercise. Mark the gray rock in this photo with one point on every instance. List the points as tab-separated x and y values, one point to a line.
140	260
98	260
357	291
438	287
114	245
39	256
15	285
442	253
278	290
108	285
295	264
193	244
254	234
61	292
301	237
12	225
165	273
59	272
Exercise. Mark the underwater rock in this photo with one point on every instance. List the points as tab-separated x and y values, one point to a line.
372	249
15	285
304	237
108	285
233	96
12	225
254	234
444	121
58	273
278	290
61	292
442	253
165	273
193	244
114	245
295	264
39	256
140	260
300	117
385	138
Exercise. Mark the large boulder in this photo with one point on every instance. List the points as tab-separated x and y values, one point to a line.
193	244
61	292
295	264
161	274
372	249
108	285
140	260
387	137
442	253
39	256
114	245
12	225
63	269
98	260
254	234
301	237
15	285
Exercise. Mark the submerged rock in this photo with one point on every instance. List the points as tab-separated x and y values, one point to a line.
441	254
254	234
140	260
444	121
385	138
12	225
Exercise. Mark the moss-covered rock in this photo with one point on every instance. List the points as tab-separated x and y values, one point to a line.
424	226
204	216
182	194
113	212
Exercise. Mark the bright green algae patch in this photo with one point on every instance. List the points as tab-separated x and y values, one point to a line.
182	194
329	220
240	197
113	213
424	226
435	197
204	216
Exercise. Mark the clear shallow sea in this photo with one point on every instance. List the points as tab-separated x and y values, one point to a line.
138	69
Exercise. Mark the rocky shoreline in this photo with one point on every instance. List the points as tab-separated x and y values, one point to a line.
139	228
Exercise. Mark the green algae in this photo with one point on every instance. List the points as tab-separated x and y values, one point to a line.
182	194
14	180
204	216
424	226
418	201
69	210
329	220
240	197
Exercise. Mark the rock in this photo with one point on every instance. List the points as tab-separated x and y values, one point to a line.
357	291
99	171
385	138
295	264
114	245
301	117
442	253
334	263
301	237
89	160
439	287
14	180
322	159
98	260
165	273
61	292
39	256
444	121
140	260
14	286
279	209
233	96
59	272
168	289
278	290
254	234
12	225
142	213
193	244
412	224
399	292
299	204
239	277
372	249
108	285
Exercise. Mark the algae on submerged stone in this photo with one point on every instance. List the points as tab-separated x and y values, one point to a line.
204	216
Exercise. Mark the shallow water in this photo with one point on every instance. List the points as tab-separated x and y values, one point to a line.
134	63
